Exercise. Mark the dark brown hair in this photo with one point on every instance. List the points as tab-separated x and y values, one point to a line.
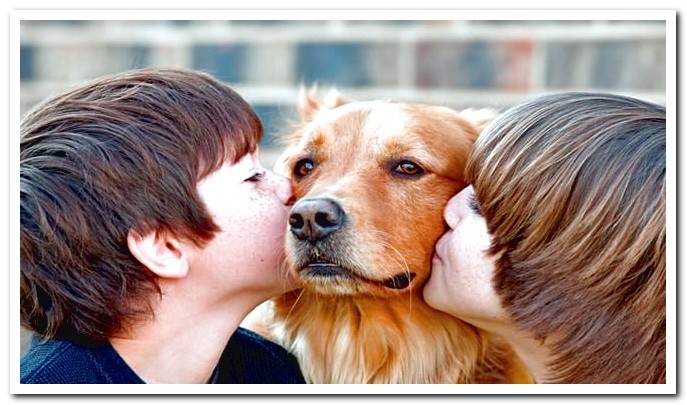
120	153
572	187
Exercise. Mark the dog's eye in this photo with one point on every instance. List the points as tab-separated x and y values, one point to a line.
303	167
408	168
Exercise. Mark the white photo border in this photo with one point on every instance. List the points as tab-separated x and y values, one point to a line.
669	16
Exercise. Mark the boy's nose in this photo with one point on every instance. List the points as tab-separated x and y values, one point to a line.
455	209
283	189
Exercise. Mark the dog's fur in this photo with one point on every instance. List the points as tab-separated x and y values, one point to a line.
355	329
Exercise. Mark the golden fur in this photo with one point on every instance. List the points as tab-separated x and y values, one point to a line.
357	330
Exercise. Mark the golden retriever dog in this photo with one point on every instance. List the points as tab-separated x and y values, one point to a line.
371	181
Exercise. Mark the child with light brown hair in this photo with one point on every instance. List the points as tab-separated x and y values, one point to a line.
559	244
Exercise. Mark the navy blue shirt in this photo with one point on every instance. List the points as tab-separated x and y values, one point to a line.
247	359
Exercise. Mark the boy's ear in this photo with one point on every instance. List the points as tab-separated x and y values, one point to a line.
159	252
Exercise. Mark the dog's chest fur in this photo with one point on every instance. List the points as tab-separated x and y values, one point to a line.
368	340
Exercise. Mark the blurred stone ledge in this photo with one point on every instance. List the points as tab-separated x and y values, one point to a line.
33	93
119	32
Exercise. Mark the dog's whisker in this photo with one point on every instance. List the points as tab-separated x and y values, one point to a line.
284	270
383	243
406	268
286	320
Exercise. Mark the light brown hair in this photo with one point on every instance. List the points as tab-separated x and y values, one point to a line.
119	153
572	187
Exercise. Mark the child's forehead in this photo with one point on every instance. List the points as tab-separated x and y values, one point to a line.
229	171
246	162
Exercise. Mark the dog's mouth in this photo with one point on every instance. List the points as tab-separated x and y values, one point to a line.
323	270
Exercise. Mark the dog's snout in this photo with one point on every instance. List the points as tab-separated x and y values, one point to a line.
315	219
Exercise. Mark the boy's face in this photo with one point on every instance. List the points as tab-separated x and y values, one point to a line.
462	269
249	204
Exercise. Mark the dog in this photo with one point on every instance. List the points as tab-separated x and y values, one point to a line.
371	181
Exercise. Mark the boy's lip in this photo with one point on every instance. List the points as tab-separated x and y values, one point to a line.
437	256
439	250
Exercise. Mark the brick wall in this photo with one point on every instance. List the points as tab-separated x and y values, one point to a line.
454	63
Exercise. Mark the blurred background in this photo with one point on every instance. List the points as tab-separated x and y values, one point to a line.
458	64
453	63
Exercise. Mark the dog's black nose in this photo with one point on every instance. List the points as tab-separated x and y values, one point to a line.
314	219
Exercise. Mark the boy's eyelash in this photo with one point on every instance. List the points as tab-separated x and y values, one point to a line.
474	205
256	177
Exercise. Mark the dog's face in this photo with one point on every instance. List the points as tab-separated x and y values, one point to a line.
371	179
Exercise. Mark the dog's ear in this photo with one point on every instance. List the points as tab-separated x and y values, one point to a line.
334	99
479	118
309	103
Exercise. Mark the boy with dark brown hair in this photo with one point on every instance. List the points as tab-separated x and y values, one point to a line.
148	231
